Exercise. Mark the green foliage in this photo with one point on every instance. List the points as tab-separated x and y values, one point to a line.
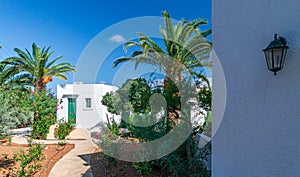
43	106
133	95
61	143
108	148
183	43
21	107
114	128
139	93
148	133
15	109
63	129
30	161
205	97
35	69
9	139
208	124
110	160
109	100
178	163
144	168
5	156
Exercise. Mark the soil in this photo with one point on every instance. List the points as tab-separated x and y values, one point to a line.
52	153
101	168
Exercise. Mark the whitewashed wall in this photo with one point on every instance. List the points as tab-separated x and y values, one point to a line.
259	135
85	117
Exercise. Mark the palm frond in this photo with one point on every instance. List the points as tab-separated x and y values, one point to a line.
53	61
121	60
129	44
168	25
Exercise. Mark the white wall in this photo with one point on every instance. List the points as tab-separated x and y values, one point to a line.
259	135
85	117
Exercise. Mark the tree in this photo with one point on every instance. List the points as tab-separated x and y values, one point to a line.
35	69
185	48
134	94
184	43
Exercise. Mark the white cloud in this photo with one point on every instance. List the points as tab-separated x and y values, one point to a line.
117	38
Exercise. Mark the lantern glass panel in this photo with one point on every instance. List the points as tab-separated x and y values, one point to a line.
284	51
268	54
277	58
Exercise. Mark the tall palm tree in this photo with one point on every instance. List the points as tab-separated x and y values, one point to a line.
185	47
35	69
183	43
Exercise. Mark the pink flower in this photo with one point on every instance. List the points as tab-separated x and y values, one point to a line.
96	136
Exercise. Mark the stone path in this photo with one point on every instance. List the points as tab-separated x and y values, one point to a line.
75	163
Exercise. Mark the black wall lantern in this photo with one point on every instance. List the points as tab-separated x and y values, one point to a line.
275	54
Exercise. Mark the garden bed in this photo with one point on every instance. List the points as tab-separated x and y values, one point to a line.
101	167
51	153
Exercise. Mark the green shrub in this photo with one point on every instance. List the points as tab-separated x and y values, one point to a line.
15	109
144	168
63	129
30	161
21	107
44	108
112	125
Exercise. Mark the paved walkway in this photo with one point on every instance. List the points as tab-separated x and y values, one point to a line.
73	164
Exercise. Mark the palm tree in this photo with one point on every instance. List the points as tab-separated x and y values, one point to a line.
185	47
184	43
35	69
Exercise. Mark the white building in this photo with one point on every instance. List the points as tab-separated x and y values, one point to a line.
259	132
82	102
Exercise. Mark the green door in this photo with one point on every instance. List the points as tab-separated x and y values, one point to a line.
72	109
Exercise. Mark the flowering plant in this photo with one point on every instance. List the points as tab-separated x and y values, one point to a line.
43	107
63	129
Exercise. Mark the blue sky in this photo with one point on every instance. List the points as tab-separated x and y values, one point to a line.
69	26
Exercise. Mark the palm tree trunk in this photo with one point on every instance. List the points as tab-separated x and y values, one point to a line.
39	86
173	113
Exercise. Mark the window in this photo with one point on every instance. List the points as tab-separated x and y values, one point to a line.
88	102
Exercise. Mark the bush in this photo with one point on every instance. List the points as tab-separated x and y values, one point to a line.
15	109
63	129
144	168
29	162
186	160
21	107
44	108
